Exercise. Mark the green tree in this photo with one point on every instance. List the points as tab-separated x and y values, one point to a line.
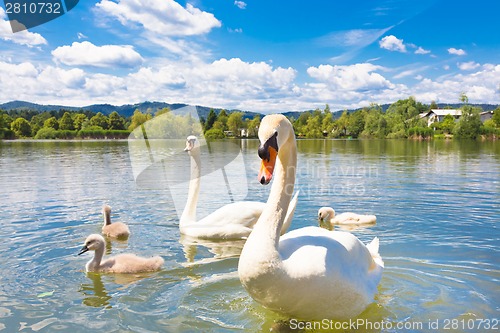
253	126
327	123
496	117
79	120
313	126
115	121
356	123
214	133
37	122
447	124
138	118
469	124
161	111
235	122
99	120
51	123
21	127
211	118
463	98
66	122
221	121
342	123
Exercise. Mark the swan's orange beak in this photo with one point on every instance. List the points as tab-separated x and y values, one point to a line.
267	167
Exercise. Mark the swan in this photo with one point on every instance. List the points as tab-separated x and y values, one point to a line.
309	273
232	221
327	218
114	230
122	263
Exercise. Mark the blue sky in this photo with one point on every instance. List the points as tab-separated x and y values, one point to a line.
265	56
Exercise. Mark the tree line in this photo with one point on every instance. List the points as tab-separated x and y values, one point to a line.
401	120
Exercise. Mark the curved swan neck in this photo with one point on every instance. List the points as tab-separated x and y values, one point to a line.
96	261
266	232
107	217
189	213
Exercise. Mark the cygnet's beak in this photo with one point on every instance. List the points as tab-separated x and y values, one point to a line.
83	249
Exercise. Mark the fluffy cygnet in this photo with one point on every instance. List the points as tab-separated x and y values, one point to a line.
114	230
122	263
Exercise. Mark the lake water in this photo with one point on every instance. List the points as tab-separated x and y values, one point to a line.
437	204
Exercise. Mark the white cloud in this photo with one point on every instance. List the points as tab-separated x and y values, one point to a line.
81	36
88	54
162	17
353	77
392	43
455	51
237	30
446	67
468	66
240	4
351	38
420	50
22	37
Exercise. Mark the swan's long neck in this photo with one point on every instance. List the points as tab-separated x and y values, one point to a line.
96	261
107	217
189	213
262	244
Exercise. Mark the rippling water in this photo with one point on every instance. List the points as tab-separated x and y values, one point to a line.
437	204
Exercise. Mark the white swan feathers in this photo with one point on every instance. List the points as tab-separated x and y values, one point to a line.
327	218
232	221
122	263
113	230
309	273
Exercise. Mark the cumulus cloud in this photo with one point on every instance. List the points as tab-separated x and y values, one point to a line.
392	43
455	51
163	17
420	50
353	77
88	54
467	66
240	4
23	37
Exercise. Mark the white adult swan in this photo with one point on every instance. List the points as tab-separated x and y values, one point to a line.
232	221
327	218
122	263
310	273
115	230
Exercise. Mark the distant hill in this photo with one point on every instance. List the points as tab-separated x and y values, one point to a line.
127	110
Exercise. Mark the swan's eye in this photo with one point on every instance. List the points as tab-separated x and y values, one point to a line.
264	149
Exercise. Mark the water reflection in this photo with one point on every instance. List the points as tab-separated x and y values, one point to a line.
221	249
95	293
122	243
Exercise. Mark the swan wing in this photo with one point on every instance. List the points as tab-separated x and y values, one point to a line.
244	213
289	213
232	221
324	269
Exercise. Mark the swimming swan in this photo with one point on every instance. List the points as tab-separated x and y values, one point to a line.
232	221
308	273
122	263
327	218
115	230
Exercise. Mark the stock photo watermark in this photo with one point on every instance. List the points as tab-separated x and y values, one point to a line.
473	324
25	14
